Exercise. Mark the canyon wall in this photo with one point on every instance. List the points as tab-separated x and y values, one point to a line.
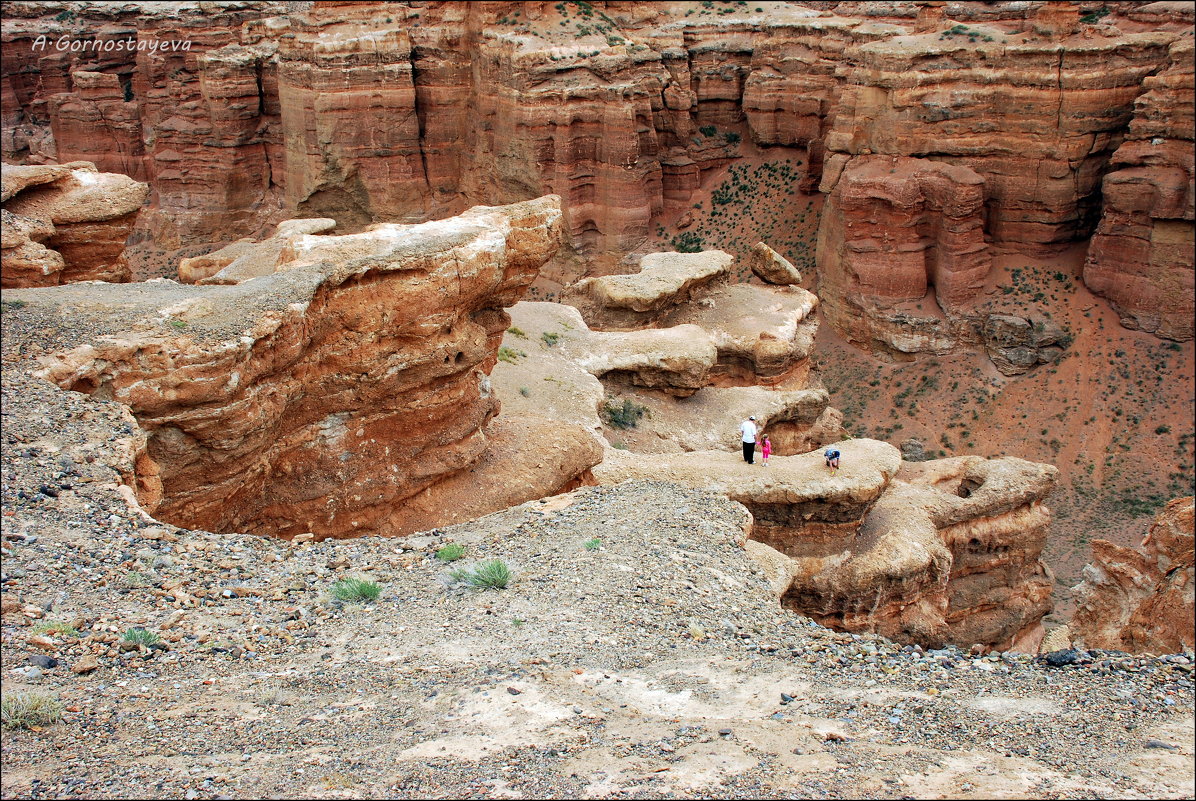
1141	253
949	553
318	397
1141	600
363	112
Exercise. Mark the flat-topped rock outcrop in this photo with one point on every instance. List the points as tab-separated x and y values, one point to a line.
318	397
1141	600
65	223
796	501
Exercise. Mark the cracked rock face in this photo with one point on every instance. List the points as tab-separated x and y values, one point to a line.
318	397
1141	600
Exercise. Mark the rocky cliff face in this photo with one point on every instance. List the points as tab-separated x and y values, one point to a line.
1141	253
949	553
318	397
1141	600
65	223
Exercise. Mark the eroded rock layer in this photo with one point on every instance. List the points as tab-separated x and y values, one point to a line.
315	398
1141	600
949	553
65	223
1141	254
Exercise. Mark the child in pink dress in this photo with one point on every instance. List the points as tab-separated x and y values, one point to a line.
765	449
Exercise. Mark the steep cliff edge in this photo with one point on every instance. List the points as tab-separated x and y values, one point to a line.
1141	600
318	397
1141	254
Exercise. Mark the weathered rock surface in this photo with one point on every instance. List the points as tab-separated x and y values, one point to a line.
1141	254
665	281
771	267
562	381
895	231
950	553
1061	97
249	258
319	397
1141	600
525	458
797	503
67	223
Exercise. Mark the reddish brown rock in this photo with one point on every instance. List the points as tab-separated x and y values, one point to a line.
318	397
1141	254
1035	113
897	231
1141	600
67	223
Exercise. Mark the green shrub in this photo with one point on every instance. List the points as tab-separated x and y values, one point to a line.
491	575
134	579
55	627
550	338
509	355
731	137
708	130
355	589
594	544
517	332
624	416
24	710
451	552
179	324
140	636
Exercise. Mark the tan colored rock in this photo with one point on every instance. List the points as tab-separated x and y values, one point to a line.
246	258
1141	600
85	664
772	267
67	223
950	553
665	281
762	333
526	458
320	397
799	506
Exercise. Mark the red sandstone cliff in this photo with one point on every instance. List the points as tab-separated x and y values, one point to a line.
321	395
1141	254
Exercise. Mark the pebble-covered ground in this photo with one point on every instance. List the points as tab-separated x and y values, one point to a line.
637	651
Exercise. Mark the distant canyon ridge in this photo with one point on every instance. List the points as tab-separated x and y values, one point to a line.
936	133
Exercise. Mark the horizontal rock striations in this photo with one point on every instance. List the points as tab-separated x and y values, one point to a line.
65	223
1141	254
1141	600
318	397
949	553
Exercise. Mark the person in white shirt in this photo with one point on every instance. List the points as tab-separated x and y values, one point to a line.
747	430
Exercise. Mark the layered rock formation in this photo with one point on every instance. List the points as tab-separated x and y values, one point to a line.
762	334
946	551
894	229
1141	600
66	223
950	553
320	396
1141	253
